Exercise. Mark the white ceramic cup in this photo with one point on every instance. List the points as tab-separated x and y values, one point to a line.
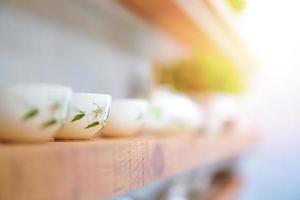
33	112
127	117
87	115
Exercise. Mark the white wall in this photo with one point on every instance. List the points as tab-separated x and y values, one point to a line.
92	48
273	31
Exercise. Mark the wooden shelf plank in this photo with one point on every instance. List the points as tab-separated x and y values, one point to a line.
195	24
226	18
169	17
103	167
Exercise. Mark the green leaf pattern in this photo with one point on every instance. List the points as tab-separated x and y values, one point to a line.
140	116
49	123
156	111
30	114
34	112
97	112
96	123
78	117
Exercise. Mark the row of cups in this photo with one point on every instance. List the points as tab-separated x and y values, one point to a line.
41	113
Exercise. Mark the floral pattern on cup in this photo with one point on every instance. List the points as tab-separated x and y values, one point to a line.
87	116
127	117
96	114
53	109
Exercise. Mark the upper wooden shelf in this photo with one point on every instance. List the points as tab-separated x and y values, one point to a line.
199	25
103	167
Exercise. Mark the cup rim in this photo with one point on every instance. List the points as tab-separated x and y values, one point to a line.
92	94
131	101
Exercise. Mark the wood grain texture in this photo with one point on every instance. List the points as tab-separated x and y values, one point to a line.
99	168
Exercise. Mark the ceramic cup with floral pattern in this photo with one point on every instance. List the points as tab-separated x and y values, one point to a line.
87	116
33	112
127	117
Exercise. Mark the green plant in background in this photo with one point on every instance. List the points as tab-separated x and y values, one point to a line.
237	5
203	74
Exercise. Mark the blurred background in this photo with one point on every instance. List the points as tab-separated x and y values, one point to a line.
128	48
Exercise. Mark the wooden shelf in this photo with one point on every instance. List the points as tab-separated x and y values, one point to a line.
103	167
197	25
